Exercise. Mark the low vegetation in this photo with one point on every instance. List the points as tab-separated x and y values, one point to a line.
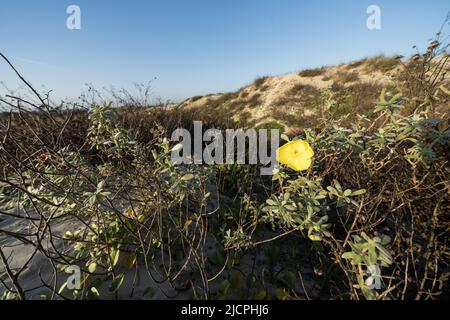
312	72
382	63
95	188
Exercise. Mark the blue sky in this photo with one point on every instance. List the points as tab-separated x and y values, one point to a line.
199	46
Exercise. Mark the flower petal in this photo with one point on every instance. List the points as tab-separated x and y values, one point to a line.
297	155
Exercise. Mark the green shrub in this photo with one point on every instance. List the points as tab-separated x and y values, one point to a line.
97	188
346	77
356	64
382	63
312	72
272	125
260	81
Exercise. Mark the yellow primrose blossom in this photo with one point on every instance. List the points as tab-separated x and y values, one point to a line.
297	155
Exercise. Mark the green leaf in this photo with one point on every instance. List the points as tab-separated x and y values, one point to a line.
115	285
284	137
187	177
384	240
315	237
224	286
337	185
355	259
369	294
372	257
131	261
348	255
281	294
359	192
187	224
61	289
260	295
92	267
94	292
331	190
114	256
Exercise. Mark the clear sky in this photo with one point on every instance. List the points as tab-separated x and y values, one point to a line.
199	46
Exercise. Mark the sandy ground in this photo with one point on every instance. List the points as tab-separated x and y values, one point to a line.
138	283
277	87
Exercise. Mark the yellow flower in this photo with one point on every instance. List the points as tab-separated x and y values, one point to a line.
297	155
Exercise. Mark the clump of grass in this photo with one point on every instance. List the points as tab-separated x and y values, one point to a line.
305	95
243	119
345	106
312	72
260	81
243	94
358	97
295	120
301	89
254	101
195	98
224	99
285	117
356	64
289	109
298	99
272	125
382	63
346	77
